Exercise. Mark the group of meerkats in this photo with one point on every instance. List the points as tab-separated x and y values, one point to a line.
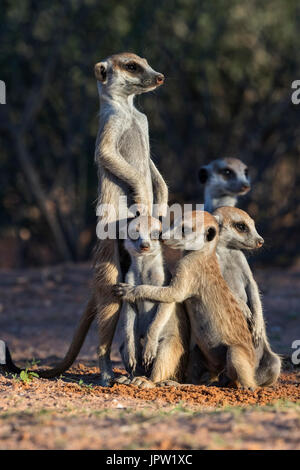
202	324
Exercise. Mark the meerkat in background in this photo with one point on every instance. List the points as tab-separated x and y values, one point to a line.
217	321
125	169
147	266
237	233
224	179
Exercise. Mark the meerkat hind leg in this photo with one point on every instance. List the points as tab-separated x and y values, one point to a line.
110	314
167	362
108	272
239	368
268	370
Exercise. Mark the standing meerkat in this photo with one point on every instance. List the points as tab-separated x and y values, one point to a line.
125	168
147	266
237	233
217	321
224	180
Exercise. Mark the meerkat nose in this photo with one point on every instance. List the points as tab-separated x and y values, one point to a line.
145	245
245	186
259	242
160	79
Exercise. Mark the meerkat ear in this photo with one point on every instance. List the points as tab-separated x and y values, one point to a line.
219	219
101	71
203	175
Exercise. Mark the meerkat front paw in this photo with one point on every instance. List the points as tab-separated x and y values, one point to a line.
125	291
149	352
257	335
129	360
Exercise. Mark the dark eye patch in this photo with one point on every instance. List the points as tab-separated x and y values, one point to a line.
227	173
133	232
133	67
246	172
210	234
155	235
241	227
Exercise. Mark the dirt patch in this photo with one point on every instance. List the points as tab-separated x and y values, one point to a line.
73	412
83	382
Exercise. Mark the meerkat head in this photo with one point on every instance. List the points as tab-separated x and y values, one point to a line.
197	230
143	236
226	176
237	229
127	74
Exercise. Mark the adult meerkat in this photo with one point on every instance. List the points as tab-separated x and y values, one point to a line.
224	180
217	321
147	266
125	169
237	233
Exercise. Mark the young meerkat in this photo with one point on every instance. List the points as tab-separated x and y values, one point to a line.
217	321
125	168
225	179
147	266
237	233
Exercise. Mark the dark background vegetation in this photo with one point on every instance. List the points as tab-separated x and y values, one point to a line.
229	66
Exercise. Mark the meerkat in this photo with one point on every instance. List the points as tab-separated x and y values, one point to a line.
237	233
224	180
147	265
125	169
217	321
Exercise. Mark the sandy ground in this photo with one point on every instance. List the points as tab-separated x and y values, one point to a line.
38	311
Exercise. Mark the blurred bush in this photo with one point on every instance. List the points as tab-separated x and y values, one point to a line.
229	67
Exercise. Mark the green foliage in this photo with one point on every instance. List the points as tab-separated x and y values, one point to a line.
27	376
229	66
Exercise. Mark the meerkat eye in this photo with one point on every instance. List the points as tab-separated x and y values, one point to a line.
134	234
131	66
246	172
227	173
155	235
241	227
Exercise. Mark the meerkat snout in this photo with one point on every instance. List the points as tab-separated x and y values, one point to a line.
245	188
259	242
144	246
160	78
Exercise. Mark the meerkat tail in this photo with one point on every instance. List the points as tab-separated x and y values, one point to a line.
73	351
